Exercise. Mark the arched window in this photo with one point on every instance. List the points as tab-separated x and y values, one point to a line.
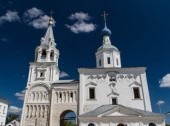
152	124
43	53
68	118
52	55
91	124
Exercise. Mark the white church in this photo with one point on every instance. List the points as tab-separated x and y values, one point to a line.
108	95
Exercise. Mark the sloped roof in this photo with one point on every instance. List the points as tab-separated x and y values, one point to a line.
105	108
65	81
48	36
3	100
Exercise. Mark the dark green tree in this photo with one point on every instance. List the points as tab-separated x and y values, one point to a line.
11	117
68	123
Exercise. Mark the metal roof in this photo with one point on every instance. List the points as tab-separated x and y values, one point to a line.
105	108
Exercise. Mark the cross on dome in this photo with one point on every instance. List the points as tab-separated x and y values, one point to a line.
105	30
104	15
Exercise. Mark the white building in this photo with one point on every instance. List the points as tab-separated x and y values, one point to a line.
108	95
3	111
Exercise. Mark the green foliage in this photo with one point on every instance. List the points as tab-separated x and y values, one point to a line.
11	117
68	123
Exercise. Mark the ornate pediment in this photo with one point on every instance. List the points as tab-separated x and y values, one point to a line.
135	83
91	83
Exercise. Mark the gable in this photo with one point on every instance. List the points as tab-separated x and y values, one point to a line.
120	111
117	114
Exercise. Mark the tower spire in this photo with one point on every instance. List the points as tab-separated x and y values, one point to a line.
48	39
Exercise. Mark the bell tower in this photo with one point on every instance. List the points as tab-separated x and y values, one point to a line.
45	66
107	55
43	72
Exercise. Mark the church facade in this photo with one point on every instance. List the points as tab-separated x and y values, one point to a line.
108	95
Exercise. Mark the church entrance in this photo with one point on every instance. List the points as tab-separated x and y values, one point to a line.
68	118
121	125
152	124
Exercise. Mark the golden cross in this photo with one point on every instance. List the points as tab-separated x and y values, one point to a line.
104	15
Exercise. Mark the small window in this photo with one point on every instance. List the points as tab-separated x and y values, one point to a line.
136	92
100	62
112	78
114	101
91	93
108	60
60	95
117	61
4	110
52	55
71	94
41	74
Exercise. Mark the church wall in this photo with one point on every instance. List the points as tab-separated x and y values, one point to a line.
3	111
146	92
120	88
126	121
114	56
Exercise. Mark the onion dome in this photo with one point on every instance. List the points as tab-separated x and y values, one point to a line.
106	31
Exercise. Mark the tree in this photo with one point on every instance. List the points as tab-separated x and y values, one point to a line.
11	117
68	123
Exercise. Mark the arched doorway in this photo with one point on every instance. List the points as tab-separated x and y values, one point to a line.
68	118
91	124
121	124
152	124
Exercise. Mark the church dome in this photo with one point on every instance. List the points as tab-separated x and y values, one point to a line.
106	31
107	46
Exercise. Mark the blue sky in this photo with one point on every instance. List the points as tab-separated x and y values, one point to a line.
140	29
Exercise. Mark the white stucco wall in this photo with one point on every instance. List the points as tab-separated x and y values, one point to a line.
122	91
3	112
126	121
103	55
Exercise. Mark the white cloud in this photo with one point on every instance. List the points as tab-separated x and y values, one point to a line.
4	39
165	81
160	102
80	16
40	23
81	25
35	17
10	16
20	95
63	74
33	13
14	110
